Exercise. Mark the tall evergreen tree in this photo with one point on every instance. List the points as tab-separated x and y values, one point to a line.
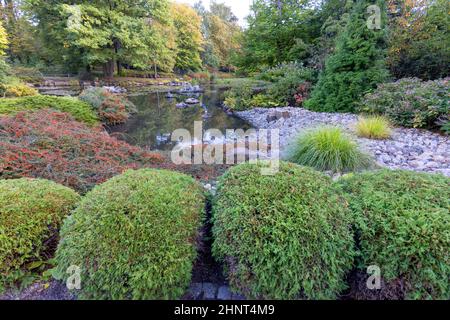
357	65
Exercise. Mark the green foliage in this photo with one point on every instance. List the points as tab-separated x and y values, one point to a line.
80	110
356	66
134	236
31	212
328	149
3	40
222	35
410	102
402	224
286	80
189	38
18	90
3	45
374	127
111	108
278	31
285	236
262	100
419	40
239	98
91	33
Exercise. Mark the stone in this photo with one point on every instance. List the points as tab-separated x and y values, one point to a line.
192	101
224	293
181	105
195	290
209	291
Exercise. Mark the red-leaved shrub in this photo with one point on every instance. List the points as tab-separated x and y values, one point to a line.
52	145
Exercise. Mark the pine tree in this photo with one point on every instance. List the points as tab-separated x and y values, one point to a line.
357	65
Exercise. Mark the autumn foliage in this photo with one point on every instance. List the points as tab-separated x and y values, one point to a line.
52	145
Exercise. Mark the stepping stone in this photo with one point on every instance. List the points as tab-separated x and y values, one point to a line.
224	293
209	291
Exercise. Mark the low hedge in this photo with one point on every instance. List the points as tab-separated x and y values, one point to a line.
80	110
411	102
31	212
134	236
285	236
402	224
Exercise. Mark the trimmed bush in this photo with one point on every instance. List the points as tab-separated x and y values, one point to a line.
134	236
285	236
111	108
402	224
80	110
374	127
411	102
31	212
328	149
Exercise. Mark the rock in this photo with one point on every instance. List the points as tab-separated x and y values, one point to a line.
224	293
195	290
170	96
181	105
114	89
276	115
209	290
408	149
192	101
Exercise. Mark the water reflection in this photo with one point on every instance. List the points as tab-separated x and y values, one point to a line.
158	117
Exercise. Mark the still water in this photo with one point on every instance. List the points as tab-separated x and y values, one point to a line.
158	116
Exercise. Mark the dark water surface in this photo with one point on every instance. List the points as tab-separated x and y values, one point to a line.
158	117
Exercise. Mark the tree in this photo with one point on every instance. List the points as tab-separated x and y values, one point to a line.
103	32
3	40
3	47
356	66
23	43
189	37
278	31
419	39
221	34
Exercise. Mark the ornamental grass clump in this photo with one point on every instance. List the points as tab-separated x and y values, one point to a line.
31	211
285	236
402	225
374	127
328	149
134	237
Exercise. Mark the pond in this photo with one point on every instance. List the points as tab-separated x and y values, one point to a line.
158	116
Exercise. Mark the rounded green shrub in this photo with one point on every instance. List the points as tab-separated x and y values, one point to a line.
402	223
328	149
134	236
31	212
285	236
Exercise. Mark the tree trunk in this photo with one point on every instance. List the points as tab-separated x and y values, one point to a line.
108	69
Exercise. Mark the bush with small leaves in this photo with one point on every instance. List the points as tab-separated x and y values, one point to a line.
31	211
285	236
111	108
134	237
402	225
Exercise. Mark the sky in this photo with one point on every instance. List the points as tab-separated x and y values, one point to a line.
240	8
